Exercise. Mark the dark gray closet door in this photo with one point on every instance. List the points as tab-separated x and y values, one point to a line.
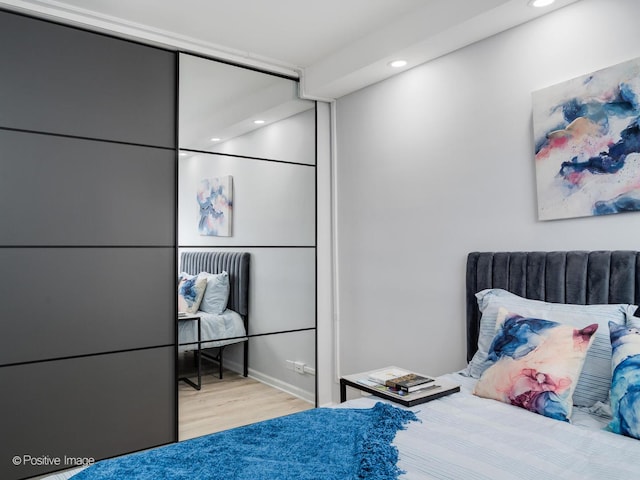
87	245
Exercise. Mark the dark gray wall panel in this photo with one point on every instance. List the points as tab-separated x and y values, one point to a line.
65	191
63	80
59	302
98	406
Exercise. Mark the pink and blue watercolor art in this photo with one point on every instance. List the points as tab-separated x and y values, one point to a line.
587	144
215	199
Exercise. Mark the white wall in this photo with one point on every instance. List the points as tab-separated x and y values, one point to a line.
437	162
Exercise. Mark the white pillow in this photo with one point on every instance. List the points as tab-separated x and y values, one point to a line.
595	380
216	295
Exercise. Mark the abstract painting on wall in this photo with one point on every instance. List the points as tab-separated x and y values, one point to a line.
215	198
588	144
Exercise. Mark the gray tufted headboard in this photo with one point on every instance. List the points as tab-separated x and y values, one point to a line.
578	277
236	264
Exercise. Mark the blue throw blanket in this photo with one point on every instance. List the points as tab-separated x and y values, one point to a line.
319	444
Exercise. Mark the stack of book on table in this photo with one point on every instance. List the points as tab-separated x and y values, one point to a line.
401	382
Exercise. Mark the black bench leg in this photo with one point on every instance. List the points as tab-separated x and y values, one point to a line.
220	363
246	359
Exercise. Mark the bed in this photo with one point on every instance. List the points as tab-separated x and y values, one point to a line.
466	435
222	303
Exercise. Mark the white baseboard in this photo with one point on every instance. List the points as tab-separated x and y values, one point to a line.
272	382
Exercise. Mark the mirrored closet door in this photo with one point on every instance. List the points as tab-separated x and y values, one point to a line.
246	183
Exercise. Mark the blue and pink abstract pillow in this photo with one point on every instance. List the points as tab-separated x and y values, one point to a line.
535	364
191	289
625	383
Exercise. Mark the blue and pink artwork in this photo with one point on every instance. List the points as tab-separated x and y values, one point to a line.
587	144
215	198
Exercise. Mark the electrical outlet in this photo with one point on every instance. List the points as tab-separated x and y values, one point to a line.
298	367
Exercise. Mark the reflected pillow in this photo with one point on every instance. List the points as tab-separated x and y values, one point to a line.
595	381
625	384
216	294
190	292
536	364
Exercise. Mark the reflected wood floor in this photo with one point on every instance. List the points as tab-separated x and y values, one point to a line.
231	402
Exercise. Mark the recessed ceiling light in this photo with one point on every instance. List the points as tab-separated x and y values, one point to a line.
540	3
215	139
398	63
258	122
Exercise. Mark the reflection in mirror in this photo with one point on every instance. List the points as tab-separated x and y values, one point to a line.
273	202
269	367
223	107
236	400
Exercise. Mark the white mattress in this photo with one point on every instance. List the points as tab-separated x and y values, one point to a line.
65	475
462	436
228	325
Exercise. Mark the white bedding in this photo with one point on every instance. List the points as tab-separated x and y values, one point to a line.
228	325
462	436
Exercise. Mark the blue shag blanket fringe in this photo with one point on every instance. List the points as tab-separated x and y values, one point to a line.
319	444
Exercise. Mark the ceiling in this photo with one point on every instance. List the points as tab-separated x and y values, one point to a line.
334	46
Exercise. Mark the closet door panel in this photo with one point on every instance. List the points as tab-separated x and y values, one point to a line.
220	100
282	293
92	407
68	81
62	191
61	302
273	203
287	297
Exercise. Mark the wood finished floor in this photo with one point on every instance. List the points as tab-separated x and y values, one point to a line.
231	402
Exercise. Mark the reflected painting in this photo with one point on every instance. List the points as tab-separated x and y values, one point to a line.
588	144
215	198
